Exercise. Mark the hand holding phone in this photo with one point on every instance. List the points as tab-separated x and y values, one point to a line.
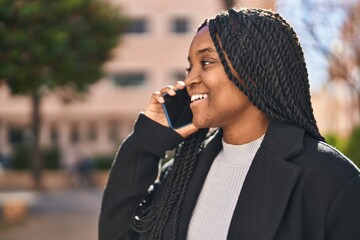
177	109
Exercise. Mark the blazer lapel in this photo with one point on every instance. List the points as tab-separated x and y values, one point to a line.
268	185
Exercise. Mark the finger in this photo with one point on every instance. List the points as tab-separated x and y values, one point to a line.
157	97
180	85
169	89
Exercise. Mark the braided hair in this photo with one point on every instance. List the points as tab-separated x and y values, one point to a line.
261	54
155	217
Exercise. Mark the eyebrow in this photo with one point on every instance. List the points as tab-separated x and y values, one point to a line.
204	50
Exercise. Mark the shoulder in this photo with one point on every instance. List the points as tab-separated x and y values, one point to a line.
324	163
325	155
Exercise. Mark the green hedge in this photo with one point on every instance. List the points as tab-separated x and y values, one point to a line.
21	158
353	147
336	141
349	146
52	158
103	162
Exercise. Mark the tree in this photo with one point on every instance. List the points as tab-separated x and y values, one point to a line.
315	26
329	32
51	45
342	54
317	23
344	61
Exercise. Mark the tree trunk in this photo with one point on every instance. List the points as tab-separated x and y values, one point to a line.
36	158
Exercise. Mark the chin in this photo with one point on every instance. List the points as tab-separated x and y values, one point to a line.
200	124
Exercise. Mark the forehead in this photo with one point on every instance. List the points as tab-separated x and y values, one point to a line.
202	39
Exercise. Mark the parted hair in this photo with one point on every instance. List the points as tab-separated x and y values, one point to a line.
261	54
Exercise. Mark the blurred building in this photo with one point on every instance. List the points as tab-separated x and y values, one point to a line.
152	54
336	108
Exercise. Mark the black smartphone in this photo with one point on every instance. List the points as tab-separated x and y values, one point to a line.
177	109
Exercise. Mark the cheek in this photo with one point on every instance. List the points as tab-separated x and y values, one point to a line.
200	120
208	117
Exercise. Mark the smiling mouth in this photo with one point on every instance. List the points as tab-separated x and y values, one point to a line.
196	97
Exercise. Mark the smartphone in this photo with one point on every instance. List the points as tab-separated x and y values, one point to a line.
177	109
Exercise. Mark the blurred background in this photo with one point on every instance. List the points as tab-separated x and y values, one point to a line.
74	74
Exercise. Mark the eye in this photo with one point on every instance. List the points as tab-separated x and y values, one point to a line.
187	70
205	63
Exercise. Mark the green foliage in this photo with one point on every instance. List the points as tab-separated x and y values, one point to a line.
349	146
103	162
21	157
336	141
54	43
52	158
353	147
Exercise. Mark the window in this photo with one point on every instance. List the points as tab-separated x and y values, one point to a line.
92	133
113	133
16	135
137	26
74	133
180	25
129	79
54	135
178	75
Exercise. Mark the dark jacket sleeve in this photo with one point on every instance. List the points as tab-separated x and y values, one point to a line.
133	171
344	214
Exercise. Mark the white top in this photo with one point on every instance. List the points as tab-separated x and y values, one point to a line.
218	198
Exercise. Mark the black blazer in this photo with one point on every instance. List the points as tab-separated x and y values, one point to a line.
297	188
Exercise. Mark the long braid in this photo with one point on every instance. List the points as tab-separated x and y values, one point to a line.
176	183
265	53
187	177
155	217
184	162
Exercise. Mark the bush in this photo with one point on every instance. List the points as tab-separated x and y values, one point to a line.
51	158
103	162
353	147
21	158
336	141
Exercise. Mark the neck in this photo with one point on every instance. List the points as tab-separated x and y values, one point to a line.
247	130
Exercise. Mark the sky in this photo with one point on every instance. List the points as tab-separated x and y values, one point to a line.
327	20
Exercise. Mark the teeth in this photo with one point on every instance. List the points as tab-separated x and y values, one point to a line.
198	97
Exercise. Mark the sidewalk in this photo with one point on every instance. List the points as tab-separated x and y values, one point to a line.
59	215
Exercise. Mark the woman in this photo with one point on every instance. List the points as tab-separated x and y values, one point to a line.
265	173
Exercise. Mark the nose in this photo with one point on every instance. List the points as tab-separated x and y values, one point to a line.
192	78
